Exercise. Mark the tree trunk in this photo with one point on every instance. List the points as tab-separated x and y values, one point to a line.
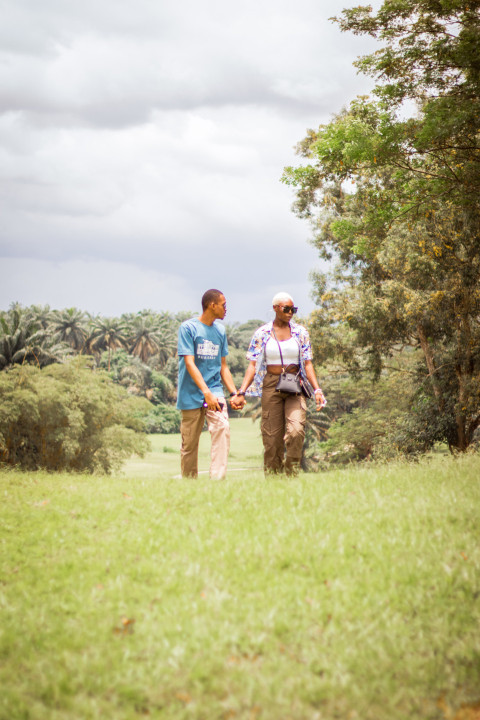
430	361
463	441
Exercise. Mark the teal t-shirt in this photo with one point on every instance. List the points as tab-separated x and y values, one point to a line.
208	344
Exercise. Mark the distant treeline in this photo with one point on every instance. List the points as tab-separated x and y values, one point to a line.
77	391
138	350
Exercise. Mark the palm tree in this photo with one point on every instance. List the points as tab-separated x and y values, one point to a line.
152	335
107	334
69	326
23	340
42	314
135	376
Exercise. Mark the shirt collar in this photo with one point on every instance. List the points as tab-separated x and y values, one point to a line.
294	327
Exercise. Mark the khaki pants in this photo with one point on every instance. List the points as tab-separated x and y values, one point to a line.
283	428
191	428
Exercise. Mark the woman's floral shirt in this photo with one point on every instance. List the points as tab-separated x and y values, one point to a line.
256	351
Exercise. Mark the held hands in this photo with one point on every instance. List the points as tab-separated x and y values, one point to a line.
238	402
211	402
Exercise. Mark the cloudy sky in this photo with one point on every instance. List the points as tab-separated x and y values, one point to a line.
142	142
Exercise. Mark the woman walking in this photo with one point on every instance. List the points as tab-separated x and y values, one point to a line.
277	347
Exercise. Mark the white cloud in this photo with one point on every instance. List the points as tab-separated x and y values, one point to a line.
108	288
111	288
149	138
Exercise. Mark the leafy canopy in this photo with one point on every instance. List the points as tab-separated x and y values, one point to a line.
394	199
66	417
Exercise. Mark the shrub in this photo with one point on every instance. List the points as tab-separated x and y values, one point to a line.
68	417
163	419
138	377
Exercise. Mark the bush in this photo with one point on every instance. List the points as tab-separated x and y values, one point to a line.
163	419
68	417
162	390
138	377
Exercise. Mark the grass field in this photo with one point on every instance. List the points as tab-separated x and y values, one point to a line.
246	451
349	594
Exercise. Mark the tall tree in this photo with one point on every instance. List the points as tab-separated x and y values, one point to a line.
70	326
152	335
431	57
42	314
107	334
23	340
397	202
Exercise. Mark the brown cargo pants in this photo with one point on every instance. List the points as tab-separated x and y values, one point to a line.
283	428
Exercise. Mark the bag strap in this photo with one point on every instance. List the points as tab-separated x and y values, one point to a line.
279	349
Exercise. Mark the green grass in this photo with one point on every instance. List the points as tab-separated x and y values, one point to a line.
349	594
246	451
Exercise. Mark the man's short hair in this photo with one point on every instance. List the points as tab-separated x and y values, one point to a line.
281	297
210	296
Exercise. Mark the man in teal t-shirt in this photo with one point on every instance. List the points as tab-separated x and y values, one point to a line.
202	365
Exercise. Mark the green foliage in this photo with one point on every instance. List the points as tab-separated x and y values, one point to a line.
138	350
163	419
152	334
24	339
107	334
405	228
66	417
69	326
238	363
316	431
118	361
239	336
170	370
431	48
138	377
147	335
161	389
365	415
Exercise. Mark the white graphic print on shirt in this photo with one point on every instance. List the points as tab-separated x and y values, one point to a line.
207	350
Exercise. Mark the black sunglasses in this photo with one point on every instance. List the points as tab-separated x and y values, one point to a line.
289	308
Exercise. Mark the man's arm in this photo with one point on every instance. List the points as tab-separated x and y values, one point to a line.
226	376
196	375
239	400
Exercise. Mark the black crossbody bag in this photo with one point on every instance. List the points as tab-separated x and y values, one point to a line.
287	382
291	383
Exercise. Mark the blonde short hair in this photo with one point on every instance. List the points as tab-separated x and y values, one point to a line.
281	297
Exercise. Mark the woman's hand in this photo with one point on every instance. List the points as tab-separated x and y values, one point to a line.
320	399
238	402
319	396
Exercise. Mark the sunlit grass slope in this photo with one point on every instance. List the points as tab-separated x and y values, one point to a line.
352	594
246	451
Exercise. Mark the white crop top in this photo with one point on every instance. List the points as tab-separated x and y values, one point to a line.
290	352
